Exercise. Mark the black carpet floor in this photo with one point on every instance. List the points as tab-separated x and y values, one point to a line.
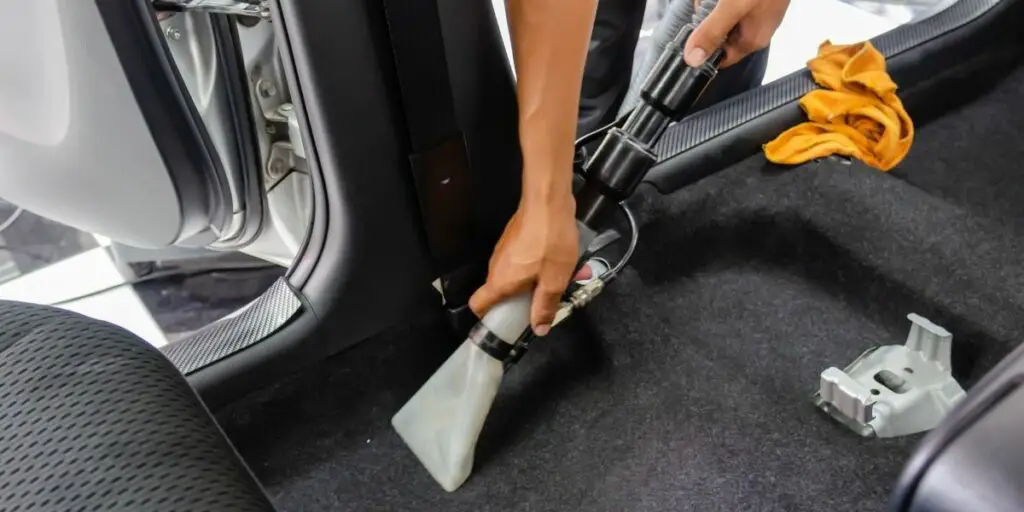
687	385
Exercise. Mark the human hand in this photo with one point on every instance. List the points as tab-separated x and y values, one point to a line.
741	27
537	251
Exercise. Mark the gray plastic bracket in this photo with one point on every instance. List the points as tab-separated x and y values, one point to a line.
894	390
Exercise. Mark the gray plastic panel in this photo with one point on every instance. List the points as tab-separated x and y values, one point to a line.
208	59
74	146
248	326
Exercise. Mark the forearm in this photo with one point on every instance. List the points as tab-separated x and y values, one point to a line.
549	44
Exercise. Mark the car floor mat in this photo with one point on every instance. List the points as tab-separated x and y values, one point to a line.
687	385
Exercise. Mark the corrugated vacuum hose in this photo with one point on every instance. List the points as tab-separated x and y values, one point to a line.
678	14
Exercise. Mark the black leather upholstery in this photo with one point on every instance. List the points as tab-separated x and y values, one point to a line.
94	418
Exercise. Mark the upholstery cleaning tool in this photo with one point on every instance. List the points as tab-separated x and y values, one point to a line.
442	421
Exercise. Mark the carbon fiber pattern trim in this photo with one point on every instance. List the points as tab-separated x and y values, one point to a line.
728	115
957	15
248	326
716	120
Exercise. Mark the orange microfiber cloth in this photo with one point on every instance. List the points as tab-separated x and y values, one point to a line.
859	115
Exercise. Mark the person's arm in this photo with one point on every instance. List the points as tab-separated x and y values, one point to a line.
549	44
538	249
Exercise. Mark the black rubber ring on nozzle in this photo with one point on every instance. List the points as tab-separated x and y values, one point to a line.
490	343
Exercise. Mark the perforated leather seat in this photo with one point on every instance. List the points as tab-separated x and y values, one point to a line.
94	418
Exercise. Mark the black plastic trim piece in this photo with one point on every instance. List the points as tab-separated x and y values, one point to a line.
483	88
442	179
356	151
997	384
177	129
438	156
231	334
730	131
417	44
259	318
229	55
316	235
364	266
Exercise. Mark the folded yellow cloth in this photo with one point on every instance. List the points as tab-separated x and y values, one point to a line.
859	115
